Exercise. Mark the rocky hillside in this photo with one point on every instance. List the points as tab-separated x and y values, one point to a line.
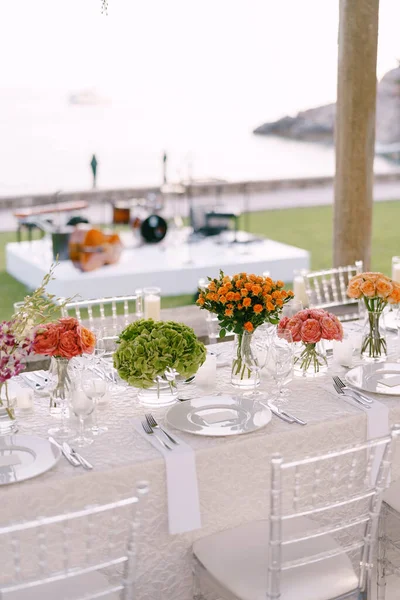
317	124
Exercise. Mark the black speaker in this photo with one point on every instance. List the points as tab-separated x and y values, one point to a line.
153	229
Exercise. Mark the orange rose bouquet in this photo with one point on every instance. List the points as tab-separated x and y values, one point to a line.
376	290
65	338
242	303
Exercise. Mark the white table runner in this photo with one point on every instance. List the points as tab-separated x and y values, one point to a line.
182	486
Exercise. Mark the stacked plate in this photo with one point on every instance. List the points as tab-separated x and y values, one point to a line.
378	378
25	456
218	415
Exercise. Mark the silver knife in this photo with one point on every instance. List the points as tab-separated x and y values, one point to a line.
35	385
40	375
85	463
74	461
279	414
283	413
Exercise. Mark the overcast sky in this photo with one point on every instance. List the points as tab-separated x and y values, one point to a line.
250	50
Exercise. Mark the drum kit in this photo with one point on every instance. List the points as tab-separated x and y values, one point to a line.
141	215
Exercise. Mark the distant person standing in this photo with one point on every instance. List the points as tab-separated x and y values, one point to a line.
165	159
93	165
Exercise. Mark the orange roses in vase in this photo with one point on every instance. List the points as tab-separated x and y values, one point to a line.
242	303
376	290
63	339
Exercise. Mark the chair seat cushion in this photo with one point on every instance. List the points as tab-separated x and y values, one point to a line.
392	496
237	560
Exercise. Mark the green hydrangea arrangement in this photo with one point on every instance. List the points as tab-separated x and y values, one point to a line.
147	348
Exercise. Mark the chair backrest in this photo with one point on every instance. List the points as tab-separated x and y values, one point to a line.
330	504
89	553
97	312
327	289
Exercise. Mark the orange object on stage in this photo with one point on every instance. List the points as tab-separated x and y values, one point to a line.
90	249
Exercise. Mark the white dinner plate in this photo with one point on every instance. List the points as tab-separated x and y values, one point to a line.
218	415
25	456
378	378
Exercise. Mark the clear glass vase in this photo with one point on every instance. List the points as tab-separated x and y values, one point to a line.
373	345
310	359
8	422
241	375
164	392
58	396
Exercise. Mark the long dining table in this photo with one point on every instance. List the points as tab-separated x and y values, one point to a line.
232	472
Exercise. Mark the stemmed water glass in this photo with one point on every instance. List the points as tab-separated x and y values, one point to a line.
99	348
95	387
82	406
254	354
292	308
280	362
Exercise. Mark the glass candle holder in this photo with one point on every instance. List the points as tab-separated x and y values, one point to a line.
139	303
299	287
396	268
152	303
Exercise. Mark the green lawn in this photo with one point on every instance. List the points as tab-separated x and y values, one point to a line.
309	228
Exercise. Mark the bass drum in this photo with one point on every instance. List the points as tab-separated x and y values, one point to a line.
153	229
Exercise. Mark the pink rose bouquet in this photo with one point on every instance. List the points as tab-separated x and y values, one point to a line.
65	338
310	326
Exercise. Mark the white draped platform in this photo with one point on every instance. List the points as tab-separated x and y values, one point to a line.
173	265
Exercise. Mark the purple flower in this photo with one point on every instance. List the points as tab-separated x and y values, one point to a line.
12	351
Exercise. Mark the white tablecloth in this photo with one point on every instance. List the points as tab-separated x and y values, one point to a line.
233	473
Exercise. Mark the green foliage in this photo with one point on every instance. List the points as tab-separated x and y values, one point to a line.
148	348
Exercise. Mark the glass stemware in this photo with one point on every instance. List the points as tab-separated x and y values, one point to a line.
95	387
254	355
82	406
99	348
292	308
280	362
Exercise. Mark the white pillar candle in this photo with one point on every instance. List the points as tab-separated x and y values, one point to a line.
299	289
396	269
24	399
152	307
343	352
207	374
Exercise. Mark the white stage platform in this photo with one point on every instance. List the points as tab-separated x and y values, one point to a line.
174	265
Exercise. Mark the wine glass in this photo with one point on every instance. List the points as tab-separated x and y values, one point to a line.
95	387
254	355
291	308
82	406
99	347
280	362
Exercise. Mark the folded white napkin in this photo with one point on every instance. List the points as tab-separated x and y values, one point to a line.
182	486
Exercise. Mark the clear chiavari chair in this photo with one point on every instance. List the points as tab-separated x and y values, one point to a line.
82	555
114	312
389	539
327	289
319	539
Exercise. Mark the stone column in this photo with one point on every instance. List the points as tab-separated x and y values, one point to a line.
355	131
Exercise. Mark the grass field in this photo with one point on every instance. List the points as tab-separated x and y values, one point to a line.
309	228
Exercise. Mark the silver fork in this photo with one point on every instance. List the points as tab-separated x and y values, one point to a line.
342	385
154	425
354	397
149	430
